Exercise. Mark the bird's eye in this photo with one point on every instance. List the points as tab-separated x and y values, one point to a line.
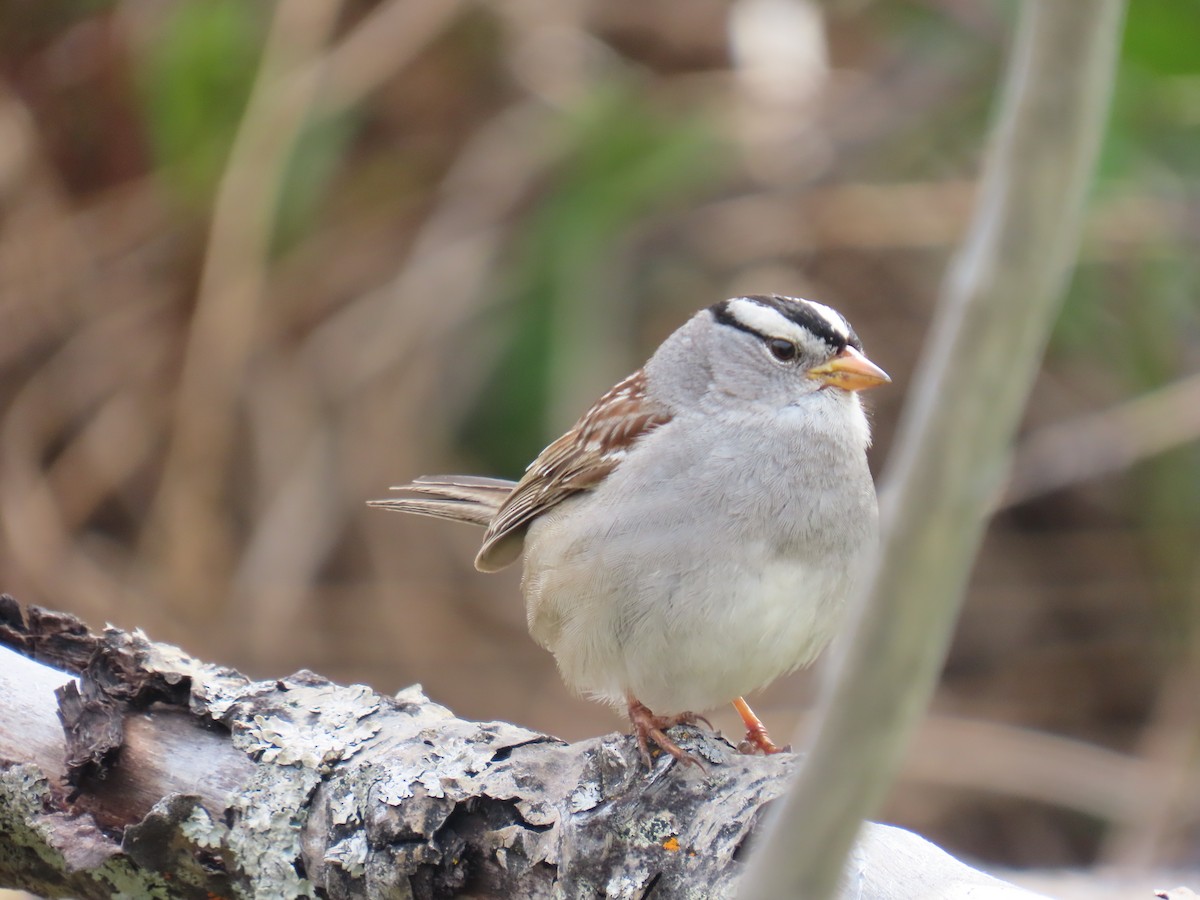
784	351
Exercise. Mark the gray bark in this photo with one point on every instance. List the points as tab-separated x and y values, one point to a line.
129	768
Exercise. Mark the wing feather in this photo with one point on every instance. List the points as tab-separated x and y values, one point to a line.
575	462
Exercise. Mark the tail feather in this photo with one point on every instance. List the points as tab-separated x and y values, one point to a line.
460	498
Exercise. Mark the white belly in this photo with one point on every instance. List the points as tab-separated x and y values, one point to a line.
691	639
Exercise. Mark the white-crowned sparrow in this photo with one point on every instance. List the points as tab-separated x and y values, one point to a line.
695	535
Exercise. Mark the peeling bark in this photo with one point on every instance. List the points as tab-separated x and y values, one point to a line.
176	778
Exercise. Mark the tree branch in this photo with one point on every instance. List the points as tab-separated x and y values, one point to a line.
191	780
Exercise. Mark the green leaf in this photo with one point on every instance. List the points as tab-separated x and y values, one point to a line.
195	80
1163	36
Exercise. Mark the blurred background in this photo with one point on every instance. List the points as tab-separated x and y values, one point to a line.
259	262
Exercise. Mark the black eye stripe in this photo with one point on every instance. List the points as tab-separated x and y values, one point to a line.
800	313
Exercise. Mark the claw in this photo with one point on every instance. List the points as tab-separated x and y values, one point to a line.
650	728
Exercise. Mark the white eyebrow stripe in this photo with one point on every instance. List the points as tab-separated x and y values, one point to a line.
767	321
836	322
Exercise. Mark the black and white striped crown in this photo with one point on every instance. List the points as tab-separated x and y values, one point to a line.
772	317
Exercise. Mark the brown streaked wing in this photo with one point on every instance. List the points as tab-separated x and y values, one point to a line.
575	462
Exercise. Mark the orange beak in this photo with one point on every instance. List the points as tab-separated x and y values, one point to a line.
850	371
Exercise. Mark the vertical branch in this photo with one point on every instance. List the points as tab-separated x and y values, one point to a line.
997	305
186	523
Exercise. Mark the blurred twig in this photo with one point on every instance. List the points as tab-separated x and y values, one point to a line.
294	77
376	48
55	426
297	80
1155	826
449	259
980	755
1103	443
1112	440
996	309
300	522
867	218
186	527
39	528
1019	762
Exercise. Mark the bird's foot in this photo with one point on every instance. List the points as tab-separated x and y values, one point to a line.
757	740
650	728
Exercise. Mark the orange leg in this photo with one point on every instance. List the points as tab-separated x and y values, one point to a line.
756	732
650	728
